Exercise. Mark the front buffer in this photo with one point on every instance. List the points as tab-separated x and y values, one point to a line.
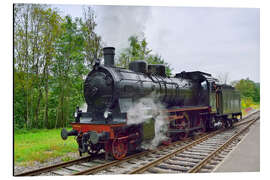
116	139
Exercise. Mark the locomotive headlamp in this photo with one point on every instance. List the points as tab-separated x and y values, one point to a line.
77	114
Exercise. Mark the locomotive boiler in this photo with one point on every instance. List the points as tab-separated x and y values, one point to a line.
193	103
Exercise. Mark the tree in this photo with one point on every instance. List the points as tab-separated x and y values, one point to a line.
248	89
92	41
68	55
28	43
21	49
51	30
52	55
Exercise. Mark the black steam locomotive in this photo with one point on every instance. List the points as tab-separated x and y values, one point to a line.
193	102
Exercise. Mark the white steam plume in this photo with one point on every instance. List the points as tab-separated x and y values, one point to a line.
117	23
83	107
145	109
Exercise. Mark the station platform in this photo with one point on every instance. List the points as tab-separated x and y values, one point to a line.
245	157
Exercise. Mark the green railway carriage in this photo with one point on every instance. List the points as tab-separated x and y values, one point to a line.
229	101
225	103
225	100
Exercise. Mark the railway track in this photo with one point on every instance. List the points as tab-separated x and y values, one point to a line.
199	154
82	165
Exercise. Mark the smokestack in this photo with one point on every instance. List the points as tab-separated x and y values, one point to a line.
108	53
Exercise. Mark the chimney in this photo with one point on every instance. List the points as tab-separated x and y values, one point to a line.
108	53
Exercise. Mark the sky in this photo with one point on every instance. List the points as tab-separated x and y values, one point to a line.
220	41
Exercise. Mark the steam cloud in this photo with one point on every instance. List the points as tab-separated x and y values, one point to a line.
145	109
83	107
117	23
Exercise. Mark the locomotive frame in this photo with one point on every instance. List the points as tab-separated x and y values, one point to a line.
194	103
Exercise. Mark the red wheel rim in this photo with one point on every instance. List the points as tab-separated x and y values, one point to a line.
119	149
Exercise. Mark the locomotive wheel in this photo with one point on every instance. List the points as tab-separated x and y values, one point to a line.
119	149
183	135
203	129
230	123
184	124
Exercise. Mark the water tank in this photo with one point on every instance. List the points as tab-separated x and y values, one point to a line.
157	69
138	66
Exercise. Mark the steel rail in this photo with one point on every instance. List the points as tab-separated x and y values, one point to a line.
113	163
53	167
159	160
76	161
213	154
101	167
168	156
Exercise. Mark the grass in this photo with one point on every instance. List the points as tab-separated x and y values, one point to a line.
248	103
41	145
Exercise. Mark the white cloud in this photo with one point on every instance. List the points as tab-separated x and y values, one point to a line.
215	40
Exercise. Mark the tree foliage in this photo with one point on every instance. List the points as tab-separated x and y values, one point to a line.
138	50
52	55
248	89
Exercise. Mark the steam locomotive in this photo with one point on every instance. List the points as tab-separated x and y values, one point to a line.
194	102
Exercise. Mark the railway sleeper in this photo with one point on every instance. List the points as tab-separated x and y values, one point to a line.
199	151
63	172
214	162
196	153
108	170
189	156
206	146
76	168
151	159
132	162
218	158
161	171
173	167
90	164
185	159
180	163
204	171
211	143
203	149
120	166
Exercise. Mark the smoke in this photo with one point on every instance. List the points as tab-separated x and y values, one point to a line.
117	23
83	107
145	109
